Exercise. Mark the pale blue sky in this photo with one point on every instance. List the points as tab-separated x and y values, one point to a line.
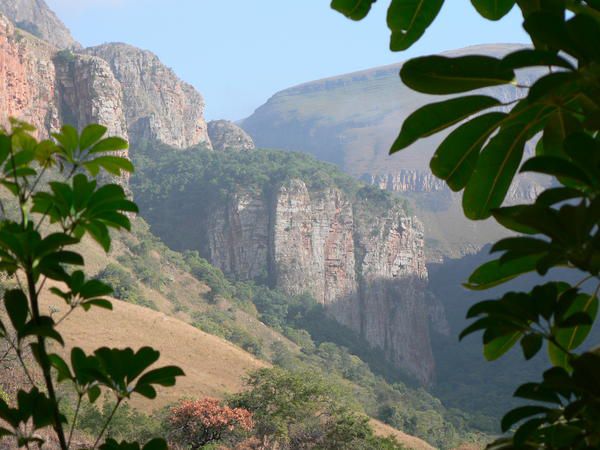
238	53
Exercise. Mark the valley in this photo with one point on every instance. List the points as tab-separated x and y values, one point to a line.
289	240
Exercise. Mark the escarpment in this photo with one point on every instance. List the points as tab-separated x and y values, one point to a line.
365	264
158	105
53	82
360	257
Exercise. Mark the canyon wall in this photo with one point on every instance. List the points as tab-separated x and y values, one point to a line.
366	267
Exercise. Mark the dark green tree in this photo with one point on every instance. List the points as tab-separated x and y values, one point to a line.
50	202
560	113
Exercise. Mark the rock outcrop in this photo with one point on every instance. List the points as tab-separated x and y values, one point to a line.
158	105
226	135
35	17
406	180
367	268
90	93
238	235
523	189
27	79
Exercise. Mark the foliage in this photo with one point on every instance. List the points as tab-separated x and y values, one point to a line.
38	249
196	423
302	410
560	229
204	181
126	423
125	286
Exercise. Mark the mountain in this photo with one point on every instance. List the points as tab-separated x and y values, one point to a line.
126	89
351	120
35	17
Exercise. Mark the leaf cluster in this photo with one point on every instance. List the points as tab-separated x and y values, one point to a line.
52	183
559	115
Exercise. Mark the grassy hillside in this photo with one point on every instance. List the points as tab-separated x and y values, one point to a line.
177	306
350	120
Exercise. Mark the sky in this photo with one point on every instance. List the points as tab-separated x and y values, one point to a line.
238	53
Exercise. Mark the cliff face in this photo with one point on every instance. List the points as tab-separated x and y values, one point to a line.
367	270
225	135
238	235
158	105
524	189
124	88
35	17
27	79
90	93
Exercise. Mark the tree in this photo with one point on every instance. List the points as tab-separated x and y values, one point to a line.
560	114
50	202
301	410
196	423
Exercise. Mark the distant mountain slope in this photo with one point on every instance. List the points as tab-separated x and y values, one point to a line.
35	17
351	120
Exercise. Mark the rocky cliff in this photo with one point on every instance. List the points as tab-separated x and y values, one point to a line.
35	17
48	80
366	267
158	105
226	135
27	79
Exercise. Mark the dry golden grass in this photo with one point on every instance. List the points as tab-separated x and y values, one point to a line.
213	366
411	442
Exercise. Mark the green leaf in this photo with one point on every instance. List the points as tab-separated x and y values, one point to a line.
110	144
68	138
353	9
553	196
557	167
435	117
5	146
500	345
408	20
90	135
112	164
493	9
495	272
531	345
16	305
43	327
443	75
493	175
533	57
518	414
559	126
456	157
61	367
537	392
571	338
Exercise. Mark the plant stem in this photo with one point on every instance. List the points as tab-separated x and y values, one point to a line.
74	419
45	362
105	426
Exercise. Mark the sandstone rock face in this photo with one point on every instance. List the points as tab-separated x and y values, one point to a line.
313	248
225	135
367	270
523	189
394	313
406	180
35	17
27	80
158	105
90	93
238	235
